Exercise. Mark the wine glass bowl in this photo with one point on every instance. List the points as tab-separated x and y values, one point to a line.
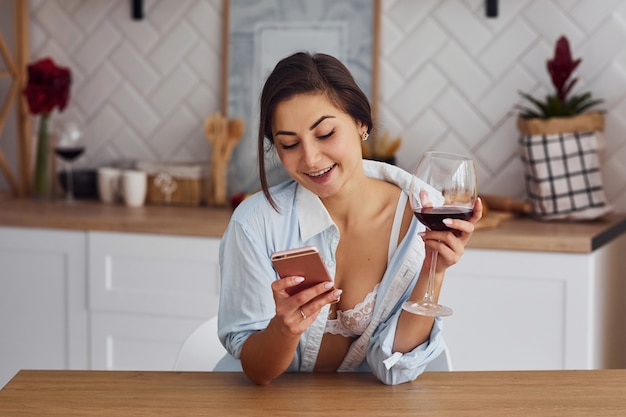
69	147
443	186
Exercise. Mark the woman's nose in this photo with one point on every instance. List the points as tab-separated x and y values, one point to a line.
310	153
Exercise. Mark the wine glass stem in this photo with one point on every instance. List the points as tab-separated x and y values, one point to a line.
429	296
70	182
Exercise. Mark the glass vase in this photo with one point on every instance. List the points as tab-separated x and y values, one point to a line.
42	183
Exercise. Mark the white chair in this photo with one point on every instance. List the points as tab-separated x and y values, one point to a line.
441	363
202	350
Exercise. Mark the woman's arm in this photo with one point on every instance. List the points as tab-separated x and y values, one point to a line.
269	352
414	329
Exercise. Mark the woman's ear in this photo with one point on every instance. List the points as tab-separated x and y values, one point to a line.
362	127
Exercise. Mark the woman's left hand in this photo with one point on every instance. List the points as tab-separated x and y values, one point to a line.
451	245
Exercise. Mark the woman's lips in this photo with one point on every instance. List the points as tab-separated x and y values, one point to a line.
321	176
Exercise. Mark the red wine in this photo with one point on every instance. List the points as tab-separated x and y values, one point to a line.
69	154
432	217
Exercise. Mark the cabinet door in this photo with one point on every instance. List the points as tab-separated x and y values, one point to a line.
147	293
519	310
43	316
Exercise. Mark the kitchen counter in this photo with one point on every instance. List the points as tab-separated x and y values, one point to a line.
149	276
93	215
518	233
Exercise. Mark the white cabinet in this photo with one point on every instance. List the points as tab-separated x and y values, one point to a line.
43	313
147	293
92	300
537	310
101	300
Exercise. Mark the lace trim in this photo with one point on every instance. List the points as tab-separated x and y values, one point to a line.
353	322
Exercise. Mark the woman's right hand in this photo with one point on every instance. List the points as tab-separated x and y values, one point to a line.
267	354
296	312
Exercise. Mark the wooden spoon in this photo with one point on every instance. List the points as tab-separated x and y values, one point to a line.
215	134
235	129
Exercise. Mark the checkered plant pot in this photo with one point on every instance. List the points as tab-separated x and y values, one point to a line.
563	173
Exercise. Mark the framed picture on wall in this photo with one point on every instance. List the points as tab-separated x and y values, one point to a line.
258	33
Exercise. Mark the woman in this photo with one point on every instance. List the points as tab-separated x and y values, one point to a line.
357	214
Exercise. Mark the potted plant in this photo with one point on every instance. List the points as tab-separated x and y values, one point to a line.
47	89
560	143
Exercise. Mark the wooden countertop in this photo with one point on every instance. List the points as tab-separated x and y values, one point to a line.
512	234
135	393
526	234
93	215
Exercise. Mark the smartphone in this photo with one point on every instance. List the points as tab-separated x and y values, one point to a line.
305	262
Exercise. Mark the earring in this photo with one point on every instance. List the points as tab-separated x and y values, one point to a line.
365	136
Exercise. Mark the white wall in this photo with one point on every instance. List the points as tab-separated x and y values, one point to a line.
449	76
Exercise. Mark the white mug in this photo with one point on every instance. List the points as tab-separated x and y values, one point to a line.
109	184
134	187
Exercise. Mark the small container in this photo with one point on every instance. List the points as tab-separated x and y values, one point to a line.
175	183
84	181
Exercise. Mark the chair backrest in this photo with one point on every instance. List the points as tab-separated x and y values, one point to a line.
202	350
441	363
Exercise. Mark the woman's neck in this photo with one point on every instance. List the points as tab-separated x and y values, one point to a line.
356	202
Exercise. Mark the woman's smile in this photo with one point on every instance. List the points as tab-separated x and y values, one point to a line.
321	176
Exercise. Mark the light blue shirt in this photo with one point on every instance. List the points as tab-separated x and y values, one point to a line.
256	230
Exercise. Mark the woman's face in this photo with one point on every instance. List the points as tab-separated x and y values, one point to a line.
318	144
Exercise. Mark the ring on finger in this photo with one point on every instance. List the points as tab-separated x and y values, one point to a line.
302	314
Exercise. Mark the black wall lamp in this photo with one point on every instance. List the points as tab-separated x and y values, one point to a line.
492	8
136	9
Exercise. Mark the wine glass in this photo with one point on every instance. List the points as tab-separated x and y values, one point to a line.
443	187
69	147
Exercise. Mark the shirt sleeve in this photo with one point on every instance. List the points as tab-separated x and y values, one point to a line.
246	302
393	368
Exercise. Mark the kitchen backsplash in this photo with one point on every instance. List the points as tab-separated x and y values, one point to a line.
449	76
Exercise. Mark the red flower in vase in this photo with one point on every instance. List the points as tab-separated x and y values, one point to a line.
48	86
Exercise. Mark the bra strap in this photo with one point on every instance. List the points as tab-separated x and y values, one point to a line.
397	223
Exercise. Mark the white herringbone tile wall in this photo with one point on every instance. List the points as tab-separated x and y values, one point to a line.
449	76
141	89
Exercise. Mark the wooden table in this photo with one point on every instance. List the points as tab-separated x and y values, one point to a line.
133	393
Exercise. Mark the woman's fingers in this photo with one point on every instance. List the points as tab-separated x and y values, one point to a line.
280	286
425	198
299	310
477	212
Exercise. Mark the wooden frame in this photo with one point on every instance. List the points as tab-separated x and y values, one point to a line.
260	35
376	4
16	70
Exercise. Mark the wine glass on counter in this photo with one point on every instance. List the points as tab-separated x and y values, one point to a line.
69	147
443	186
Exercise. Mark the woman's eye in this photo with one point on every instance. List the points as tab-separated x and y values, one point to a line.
327	135
289	146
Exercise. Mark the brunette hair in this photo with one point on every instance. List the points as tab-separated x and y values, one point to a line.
305	73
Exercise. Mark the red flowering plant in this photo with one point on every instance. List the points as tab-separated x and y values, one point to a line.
560	67
48	87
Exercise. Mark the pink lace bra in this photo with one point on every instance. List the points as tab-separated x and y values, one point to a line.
353	322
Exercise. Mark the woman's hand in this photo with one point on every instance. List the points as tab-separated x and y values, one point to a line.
296	312
267	353
451	245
